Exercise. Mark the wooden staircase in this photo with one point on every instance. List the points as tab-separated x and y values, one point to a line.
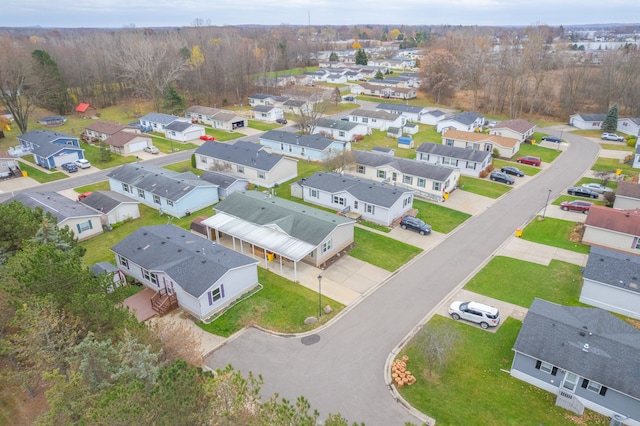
162	302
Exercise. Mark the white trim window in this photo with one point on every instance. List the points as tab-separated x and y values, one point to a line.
361	169
156	199
594	387
126	187
123	261
338	200
240	169
382	174
314	193
326	246
436	186
408	180
140	193
215	294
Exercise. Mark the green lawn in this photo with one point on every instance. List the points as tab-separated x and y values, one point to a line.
222	135
281	305
483	187
528	170
166	145
262	126
547	155
384	252
617	147
292	71
612	164
472	388
442	219
510	280
93	154
183	166
553	232
380	138
40	176
98	186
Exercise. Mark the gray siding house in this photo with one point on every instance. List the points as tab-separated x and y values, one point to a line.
227	184
306	147
340	130
409	112
586	356
470	162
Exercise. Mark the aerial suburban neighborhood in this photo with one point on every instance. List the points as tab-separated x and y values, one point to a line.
340	228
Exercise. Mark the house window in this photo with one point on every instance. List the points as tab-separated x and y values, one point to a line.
370	208
215	294
341	133
260	175
154	279
449	142
594	387
145	275
355	204
125	187
382	174
240	169
290	148
638	242
365	120
422	182
84	226
302	151
123	262
314	193
570	381
361	169
203	159
471	165
407	180
281	146
436	186
170	203
326	246
338	200
140	193
156	199
449	161
546	367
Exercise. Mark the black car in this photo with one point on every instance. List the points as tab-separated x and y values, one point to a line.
554	139
349	98
415	224
501	177
510	170
281	121
582	192
69	167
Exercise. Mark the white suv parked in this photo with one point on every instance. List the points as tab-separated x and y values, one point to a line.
612	137
485	315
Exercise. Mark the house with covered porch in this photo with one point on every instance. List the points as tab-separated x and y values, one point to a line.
51	149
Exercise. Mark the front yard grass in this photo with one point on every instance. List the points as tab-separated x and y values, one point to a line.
93	154
442	219
262	126
222	135
617	147
379	250
528	170
281	305
612	164
547	155
483	187
519	282
472	388
553	232
380	138
38	175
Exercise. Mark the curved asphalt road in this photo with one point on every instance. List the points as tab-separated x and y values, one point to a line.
343	372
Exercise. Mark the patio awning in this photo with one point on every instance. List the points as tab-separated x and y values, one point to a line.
269	238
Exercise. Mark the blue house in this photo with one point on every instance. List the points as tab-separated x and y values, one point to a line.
308	147
51	149
177	194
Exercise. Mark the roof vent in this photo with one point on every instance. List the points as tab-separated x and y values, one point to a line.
585	348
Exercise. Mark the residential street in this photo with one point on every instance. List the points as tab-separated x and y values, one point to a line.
344	370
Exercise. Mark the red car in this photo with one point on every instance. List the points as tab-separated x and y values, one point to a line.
207	138
530	160
576	206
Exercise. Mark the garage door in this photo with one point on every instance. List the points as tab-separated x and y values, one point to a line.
69	157
137	146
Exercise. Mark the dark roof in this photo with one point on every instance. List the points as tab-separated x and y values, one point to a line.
106	201
192	261
465	117
296	220
44	140
156	117
435	112
316	141
122	138
293	103
379	115
263	108
100	267
623	221
589	342
592	117
628	189
336	124
223	180
365	190
260	96
382	149
615	268
519	125
157	180
454	152
106	127
59	206
401	107
178	126
241	152
408	167
198	109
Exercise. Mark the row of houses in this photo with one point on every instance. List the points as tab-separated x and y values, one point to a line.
628	126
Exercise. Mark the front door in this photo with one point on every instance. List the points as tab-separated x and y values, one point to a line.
394	176
570	381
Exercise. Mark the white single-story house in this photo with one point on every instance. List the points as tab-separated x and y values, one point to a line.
587	121
217	118
340	130
379	120
113	206
261	99
227	184
586	356
384	91
610	281
204	278
173	193
627	196
613	228
293	106
464	121
427	180
105	129
507	147
183	131
157	121
470	162
517	129
264	225
409	112
267	113
307	147
370	200
81	220
247	160
126	143
629	126
432	117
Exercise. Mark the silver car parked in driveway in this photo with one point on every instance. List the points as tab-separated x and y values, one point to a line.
485	315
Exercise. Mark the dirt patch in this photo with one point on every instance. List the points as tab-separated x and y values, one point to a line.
575	236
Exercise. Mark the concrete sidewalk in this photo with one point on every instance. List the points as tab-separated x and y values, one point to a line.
539	253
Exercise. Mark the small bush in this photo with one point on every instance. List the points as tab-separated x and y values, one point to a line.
631	141
490	168
483	174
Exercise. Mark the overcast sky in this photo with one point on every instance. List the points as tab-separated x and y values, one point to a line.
162	13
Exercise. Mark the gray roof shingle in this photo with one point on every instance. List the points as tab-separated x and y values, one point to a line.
379	115
192	261
222	180
336	124
401	108
45	142
558	335
615	268
592	117
263	108
454	152
316	141
465	118
156	117
59	206
403	165
241	152
178	126
106	201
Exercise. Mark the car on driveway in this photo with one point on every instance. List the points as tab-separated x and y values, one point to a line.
69	167
281	121
530	160
151	149
611	137
485	315
582	192
207	138
501	177
349	98
82	163
415	224
511	170
597	187
576	206
553	139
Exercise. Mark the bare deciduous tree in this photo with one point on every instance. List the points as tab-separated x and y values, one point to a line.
436	344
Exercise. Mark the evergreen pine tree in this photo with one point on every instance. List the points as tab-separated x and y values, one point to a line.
334	57
610	123
361	57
